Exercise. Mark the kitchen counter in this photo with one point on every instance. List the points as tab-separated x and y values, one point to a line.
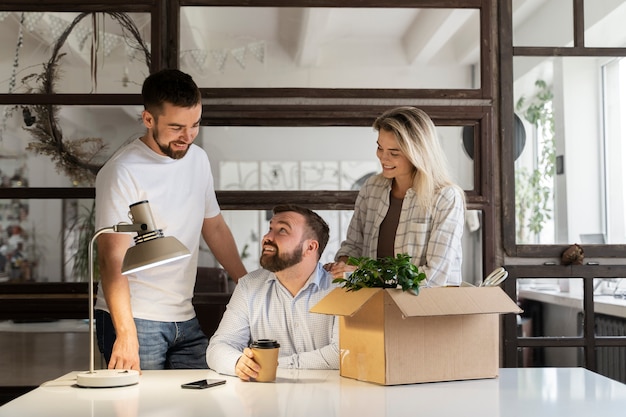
551	293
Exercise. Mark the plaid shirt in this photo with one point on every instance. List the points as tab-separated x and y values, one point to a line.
431	237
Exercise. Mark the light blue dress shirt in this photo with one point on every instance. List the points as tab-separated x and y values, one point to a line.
262	308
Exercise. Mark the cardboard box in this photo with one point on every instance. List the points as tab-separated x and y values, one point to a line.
390	337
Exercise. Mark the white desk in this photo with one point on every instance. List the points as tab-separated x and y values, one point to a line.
523	392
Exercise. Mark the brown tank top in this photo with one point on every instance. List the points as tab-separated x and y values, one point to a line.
387	231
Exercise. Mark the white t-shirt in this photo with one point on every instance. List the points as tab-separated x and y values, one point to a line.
181	195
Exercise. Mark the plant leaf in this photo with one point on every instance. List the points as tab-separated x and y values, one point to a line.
388	272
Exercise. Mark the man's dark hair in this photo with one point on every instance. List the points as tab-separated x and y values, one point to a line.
318	229
169	86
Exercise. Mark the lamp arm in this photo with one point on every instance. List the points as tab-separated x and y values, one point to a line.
120	228
125	227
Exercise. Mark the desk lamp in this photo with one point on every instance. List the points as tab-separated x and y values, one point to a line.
151	249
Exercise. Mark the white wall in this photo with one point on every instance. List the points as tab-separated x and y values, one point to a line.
318	144
583	147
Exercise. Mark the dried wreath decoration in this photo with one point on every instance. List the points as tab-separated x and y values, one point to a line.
75	158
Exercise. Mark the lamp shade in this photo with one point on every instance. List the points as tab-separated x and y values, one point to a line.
152	253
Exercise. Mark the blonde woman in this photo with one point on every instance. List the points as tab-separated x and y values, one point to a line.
412	206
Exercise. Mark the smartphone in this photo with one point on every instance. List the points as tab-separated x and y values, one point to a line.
204	383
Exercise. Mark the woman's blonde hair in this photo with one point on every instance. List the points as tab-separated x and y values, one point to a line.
418	141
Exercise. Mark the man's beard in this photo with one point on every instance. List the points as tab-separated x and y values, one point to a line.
167	150
278	262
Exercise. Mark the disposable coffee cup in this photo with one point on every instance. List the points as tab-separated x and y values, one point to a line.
266	355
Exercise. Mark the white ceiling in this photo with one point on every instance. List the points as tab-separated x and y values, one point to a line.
423	34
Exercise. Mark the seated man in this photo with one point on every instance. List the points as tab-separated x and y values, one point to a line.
274	302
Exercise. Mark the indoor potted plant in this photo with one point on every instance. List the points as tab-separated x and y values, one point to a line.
388	272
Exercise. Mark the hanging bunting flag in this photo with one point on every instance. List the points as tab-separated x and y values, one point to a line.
257	49
129	51
82	34
199	58
133	50
57	26
219	57
110	42
240	56
31	20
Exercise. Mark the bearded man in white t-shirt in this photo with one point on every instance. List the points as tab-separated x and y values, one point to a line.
146	320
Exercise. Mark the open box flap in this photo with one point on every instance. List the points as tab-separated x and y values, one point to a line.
341	302
445	301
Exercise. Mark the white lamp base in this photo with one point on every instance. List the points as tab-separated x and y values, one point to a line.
107	378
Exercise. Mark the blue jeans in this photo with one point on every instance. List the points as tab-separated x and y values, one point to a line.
162	345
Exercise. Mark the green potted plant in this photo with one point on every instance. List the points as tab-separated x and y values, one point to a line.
534	187
388	272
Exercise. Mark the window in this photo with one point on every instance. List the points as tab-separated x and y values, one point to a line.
614	134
